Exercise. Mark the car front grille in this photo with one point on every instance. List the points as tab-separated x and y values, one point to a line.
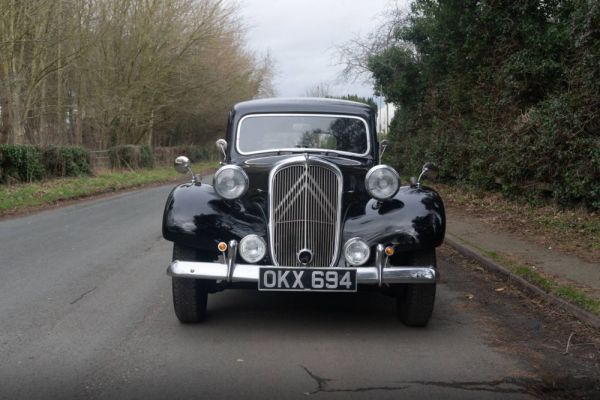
305	212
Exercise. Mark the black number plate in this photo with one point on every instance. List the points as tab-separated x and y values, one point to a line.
307	279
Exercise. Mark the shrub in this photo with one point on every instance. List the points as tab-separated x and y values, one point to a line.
502	95
195	153
131	156
20	163
66	161
165	155
146	157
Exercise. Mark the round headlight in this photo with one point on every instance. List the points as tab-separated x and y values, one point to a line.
382	182
230	182
252	248
356	251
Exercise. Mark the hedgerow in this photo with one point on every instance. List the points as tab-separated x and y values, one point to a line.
503	95
66	161
25	163
131	157
20	163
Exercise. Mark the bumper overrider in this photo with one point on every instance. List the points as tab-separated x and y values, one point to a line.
379	274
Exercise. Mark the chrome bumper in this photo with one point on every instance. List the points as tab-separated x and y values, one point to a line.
379	274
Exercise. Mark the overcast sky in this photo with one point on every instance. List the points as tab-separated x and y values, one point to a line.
301	36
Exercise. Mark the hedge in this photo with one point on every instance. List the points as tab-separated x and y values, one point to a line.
166	155
502	95
131	156
26	163
66	161
20	163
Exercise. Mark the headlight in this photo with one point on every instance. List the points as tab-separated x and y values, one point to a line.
252	248
382	182
230	182
356	251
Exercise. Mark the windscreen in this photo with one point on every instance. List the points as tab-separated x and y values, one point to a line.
260	133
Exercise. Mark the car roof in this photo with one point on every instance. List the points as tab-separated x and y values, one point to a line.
301	104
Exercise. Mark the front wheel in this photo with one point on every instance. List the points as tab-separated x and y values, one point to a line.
414	303
190	296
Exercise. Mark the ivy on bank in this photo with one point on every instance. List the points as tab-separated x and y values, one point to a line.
503	95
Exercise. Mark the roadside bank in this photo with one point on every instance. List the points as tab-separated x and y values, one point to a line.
517	252
27	197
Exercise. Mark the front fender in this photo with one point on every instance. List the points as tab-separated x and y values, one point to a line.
413	219
198	217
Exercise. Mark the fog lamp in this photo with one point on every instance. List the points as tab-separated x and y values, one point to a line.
252	248
356	251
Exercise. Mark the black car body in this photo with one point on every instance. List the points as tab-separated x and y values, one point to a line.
304	163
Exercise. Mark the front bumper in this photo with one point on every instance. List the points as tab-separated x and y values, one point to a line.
379	274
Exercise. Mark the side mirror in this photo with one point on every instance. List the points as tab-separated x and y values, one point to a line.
182	165
382	146
222	144
430	171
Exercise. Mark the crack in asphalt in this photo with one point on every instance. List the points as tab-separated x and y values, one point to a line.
483	386
321	382
83	295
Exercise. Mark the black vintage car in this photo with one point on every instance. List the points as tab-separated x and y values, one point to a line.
302	203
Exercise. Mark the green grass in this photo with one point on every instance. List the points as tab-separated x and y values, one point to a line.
567	292
575	230
16	197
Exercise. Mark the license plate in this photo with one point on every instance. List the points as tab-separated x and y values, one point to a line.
307	279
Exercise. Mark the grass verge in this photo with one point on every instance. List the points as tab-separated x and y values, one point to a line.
572	230
14	198
549	285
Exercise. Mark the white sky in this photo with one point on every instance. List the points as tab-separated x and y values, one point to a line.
301	36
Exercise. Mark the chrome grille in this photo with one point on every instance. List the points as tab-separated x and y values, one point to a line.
305	213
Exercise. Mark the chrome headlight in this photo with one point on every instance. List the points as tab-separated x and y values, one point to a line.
230	182
356	251
382	182
252	248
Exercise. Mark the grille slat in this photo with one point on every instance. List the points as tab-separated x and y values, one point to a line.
305	199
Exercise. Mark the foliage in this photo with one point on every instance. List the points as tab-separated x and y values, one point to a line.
195	153
359	99
113	72
20	163
22	196
131	157
25	163
503	95
66	161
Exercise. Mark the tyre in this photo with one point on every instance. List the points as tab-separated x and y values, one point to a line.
190	296
414	303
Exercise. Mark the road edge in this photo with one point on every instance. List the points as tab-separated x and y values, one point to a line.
525	286
101	194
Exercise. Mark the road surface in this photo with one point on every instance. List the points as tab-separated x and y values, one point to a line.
86	312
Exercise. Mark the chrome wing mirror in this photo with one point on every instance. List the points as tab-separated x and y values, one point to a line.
182	165
222	145
430	171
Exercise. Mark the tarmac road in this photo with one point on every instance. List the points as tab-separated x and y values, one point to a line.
86	312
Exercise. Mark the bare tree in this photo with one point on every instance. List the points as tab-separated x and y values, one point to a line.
106	72
354	55
322	89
